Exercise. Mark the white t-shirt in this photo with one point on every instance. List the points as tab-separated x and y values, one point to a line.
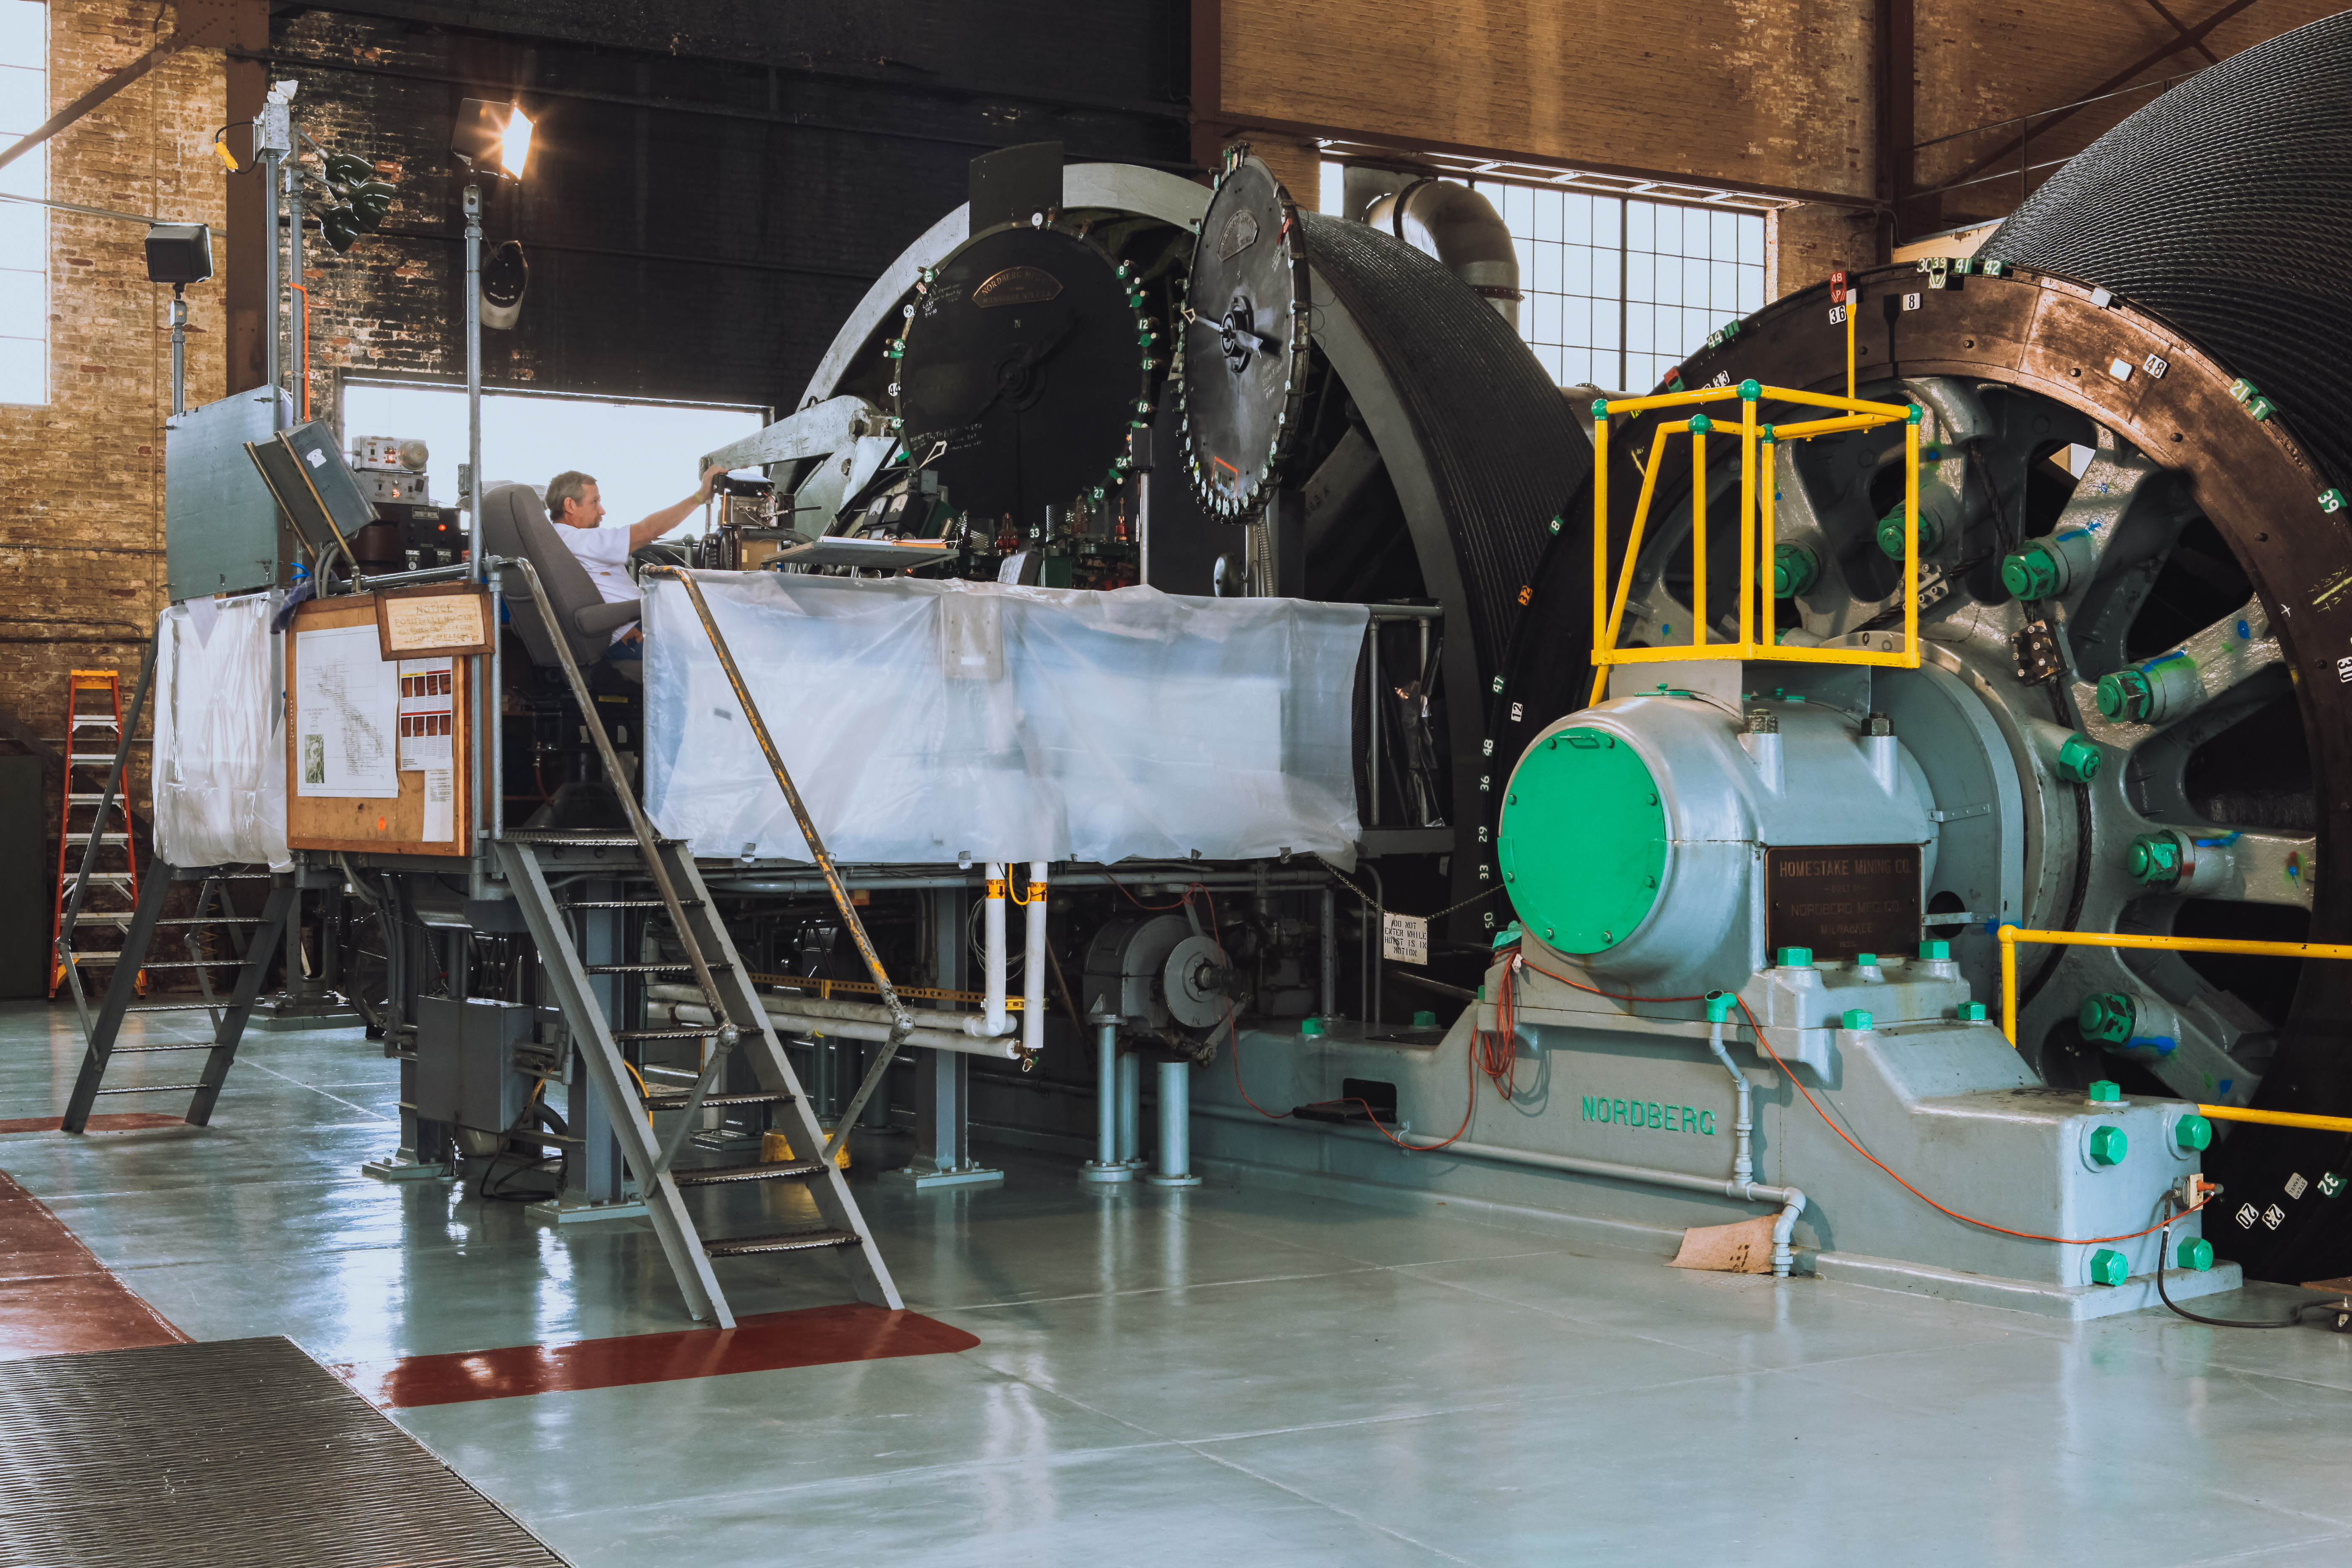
604	551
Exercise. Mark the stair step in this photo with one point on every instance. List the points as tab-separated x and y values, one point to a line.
157	1088
677	1102
150	1050
91	758
790	1241
105	959
102	837
175	1007
627	904
664	1034
646	968
208	921
717	1176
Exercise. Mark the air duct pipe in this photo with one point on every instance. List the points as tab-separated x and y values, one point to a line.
1034	963
1461	228
994	917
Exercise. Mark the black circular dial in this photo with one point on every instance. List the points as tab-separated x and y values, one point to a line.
1244	340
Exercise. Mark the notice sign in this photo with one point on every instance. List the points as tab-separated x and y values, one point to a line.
1404	938
1843	898
449	620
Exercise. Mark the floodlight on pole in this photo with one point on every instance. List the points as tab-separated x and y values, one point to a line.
491	139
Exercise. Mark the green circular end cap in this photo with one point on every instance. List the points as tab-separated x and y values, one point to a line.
1890	533
1701	424
1310	1027
1600	409
2078	760
1585	838
2124	693
1972	1011
2031	574
2107	1089
1795	570
2153	858
2109	1266
1750	391
2108	1146
1424	1020
2107	1015
2194	1253
2193	1132
1934	951
1916	415
1795	958
1855	1019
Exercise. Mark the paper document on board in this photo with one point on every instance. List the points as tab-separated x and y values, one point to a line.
440	806
346	703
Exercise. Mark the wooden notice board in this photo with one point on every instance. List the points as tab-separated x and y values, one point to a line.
346	741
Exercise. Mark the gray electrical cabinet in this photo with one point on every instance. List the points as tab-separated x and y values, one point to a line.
476	1060
223	533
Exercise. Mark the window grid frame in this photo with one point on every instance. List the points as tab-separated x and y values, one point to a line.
36	163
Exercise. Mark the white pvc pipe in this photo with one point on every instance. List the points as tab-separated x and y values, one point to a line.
1742	1166
790	1013
998	1022
1033	971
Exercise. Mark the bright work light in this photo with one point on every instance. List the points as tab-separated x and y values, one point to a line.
491	138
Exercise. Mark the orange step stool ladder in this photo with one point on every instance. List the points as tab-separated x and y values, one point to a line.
94	738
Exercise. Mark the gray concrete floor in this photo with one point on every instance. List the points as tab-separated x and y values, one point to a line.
1228	1376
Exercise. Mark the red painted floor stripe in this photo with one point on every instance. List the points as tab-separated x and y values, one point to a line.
113	1121
55	1297
765	1341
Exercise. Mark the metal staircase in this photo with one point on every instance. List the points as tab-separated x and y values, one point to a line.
740	1024
527	860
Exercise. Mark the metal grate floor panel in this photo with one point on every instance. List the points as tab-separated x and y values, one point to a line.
233	1452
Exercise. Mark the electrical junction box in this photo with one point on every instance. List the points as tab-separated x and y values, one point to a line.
381	486
476	1060
223	533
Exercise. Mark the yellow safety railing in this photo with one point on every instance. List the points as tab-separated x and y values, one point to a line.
2010	936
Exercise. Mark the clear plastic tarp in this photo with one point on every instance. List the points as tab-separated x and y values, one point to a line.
220	736
924	721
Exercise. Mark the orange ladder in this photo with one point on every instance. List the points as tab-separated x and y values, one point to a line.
106	823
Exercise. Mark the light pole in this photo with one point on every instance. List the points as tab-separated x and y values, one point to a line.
493	139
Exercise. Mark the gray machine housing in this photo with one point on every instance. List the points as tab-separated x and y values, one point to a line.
223	533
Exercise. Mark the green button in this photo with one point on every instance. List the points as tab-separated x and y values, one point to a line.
2034	573
1585	838
2108	1146
1855	1019
2109	1266
2193	1132
2194	1253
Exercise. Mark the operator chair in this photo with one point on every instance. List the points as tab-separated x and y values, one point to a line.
515	524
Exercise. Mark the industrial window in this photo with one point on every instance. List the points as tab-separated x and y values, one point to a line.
642	454
1620	288
23	227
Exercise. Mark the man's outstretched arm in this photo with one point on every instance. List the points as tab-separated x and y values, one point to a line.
643	533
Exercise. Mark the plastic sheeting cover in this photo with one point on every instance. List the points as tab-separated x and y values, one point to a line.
220	742
925	720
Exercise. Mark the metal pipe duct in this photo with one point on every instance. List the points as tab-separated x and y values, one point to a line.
1461	228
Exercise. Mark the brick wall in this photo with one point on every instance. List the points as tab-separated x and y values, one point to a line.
81	480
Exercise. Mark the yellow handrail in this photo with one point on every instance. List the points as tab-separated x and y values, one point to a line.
2010	936
1757	518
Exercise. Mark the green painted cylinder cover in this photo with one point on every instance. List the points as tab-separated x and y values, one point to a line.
1582	841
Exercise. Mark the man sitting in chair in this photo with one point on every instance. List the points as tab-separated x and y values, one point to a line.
572	502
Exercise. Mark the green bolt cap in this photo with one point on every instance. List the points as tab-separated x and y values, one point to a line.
2032	573
2193	1132
2154	858
2194	1253
2106	1091
2125	693
1855	1019
1310	1027
2078	760
1795	570
1890	533
1865	961
2107	1015
1972	1011
1719	1006
2109	1266
1936	950
2108	1146
1424	1020
1795	958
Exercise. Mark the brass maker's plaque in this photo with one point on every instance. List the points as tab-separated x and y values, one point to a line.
1843	898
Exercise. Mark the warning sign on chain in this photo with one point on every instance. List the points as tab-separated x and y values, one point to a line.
1404	938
